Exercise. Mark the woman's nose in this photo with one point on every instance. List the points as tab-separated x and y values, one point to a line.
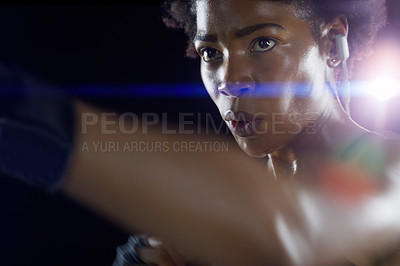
236	89
235	76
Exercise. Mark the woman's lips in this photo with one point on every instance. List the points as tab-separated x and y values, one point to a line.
245	128
243	124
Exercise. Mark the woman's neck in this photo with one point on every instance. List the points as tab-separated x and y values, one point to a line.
330	132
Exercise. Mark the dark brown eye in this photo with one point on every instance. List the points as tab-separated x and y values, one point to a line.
262	45
210	54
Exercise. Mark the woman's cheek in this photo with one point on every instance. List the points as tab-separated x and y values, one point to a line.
209	81
276	66
310	64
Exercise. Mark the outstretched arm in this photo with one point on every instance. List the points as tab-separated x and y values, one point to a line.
187	197
224	206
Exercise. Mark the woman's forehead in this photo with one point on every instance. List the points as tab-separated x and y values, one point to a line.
216	15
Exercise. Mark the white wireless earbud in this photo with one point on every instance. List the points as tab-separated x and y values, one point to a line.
343	52
342	47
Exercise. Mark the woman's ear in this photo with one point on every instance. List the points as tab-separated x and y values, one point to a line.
337	26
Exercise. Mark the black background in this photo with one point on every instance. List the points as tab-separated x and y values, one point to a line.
78	45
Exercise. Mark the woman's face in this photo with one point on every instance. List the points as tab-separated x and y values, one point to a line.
264	70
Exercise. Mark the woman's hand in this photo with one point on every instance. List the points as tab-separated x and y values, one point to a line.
159	253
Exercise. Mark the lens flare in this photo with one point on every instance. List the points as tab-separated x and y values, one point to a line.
384	88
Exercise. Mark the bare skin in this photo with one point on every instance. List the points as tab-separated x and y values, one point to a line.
263	221
235	68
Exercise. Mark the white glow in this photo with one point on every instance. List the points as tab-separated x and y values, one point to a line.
311	213
384	87
288	239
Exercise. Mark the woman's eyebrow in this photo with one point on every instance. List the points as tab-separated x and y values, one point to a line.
250	29
205	37
240	33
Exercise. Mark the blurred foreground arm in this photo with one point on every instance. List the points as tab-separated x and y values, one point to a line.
203	198
224	206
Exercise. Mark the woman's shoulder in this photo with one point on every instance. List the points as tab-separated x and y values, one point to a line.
375	152
387	152
371	141
388	141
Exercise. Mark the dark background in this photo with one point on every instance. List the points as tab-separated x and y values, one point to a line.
111	45
79	46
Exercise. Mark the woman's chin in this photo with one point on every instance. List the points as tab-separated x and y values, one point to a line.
261	146
255	154
255	150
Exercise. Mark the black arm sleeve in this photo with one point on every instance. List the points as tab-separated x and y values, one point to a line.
36	130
